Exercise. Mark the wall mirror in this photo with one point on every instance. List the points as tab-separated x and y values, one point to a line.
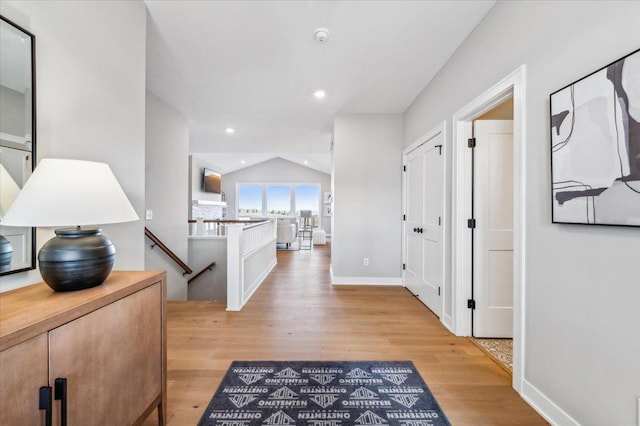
17	139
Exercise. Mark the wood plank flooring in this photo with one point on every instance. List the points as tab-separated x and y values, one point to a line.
298	315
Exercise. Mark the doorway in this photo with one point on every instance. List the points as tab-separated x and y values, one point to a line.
423	212
512	86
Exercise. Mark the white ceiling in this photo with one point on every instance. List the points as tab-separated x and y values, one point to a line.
254	65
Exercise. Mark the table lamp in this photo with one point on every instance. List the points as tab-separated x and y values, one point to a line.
9	190
73	193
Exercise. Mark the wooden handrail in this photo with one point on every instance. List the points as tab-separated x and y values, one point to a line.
208	267
167	250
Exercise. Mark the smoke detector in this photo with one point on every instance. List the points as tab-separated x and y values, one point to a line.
321	35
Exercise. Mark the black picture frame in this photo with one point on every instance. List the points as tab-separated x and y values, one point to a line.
33	148
594	138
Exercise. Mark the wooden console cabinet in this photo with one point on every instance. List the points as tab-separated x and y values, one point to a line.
99	353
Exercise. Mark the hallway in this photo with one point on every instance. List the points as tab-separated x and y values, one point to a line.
298	315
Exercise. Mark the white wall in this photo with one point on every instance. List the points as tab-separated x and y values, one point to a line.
166	188
195	183
367	162
212	285
276	170
90	100
582	285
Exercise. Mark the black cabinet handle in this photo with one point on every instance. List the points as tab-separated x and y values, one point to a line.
61	395
415	229
420	230
46	404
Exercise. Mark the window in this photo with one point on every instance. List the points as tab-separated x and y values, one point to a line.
279	200
307	198
249	200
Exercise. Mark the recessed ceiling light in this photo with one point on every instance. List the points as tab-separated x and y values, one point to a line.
230	130
306	162
319	94
242	161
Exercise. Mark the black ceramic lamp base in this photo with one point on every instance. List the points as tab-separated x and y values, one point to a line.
76	258
6	251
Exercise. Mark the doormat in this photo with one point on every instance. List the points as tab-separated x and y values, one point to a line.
323	393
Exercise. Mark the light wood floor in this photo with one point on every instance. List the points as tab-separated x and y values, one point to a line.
297	315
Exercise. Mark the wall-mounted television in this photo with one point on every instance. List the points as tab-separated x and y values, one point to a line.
211	181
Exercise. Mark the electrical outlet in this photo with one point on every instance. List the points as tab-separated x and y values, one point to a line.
366	261
149	214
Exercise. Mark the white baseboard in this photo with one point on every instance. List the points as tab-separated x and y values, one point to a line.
447	322
363	280
546	407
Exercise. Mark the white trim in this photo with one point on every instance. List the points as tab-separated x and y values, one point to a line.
440	128
447	321
545	406
373	281
437	130
512	85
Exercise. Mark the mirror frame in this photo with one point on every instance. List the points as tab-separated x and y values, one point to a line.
33	136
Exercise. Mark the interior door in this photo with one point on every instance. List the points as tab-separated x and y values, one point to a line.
423	225
493	235
414	181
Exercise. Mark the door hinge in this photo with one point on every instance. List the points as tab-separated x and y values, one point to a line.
471	223
404	266
438	291
404	217
471	142
439	149
471	304
404	168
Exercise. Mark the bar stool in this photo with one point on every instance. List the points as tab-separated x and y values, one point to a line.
306	230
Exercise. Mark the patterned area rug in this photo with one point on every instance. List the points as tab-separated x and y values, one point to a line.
323	393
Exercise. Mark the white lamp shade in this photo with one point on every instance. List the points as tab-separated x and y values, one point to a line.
63	192
9	190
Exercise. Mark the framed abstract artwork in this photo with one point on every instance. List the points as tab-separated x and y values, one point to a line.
595	147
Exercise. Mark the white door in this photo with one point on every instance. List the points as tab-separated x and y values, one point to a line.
423	225
493	235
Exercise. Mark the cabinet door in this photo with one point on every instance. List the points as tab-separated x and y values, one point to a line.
112	360
23	370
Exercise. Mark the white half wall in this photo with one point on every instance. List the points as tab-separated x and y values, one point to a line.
167	190
581	291
90	100
367	179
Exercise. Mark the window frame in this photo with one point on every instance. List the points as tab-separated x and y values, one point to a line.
292	196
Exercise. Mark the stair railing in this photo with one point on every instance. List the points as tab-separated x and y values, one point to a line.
157	242
209	267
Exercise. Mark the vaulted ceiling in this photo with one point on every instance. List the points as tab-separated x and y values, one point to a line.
254	65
